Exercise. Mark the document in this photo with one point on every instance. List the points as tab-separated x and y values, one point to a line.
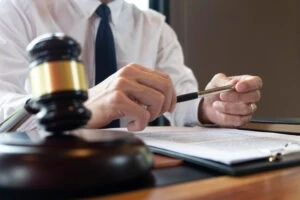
225	145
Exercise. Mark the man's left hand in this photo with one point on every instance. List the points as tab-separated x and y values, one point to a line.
233	108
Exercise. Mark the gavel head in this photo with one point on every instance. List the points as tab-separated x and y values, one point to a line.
58	82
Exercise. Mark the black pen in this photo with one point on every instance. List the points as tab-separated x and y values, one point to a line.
195	95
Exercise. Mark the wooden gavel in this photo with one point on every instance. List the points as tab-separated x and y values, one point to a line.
69	158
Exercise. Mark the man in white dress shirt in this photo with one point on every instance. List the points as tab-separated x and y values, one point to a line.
141	37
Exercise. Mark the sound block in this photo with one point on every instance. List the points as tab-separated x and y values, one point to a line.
78	160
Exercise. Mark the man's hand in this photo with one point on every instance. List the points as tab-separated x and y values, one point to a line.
233	108
134	91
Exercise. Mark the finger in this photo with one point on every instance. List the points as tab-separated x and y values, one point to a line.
227	120
124	106
131	69
139	115
162	82
163	85
233	96
114	105
153	79
219	80
143	95
148	70
169	105
248	83
173	102
235	108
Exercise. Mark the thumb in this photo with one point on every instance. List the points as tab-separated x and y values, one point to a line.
220	80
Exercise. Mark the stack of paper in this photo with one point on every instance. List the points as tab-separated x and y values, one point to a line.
228	146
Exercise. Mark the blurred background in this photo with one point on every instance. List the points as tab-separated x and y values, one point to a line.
259	37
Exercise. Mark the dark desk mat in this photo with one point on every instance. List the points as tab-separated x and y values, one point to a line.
181	174
158	177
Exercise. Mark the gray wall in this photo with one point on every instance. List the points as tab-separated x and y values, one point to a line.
259	37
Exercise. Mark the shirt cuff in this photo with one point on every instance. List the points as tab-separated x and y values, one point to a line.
193	113
185	114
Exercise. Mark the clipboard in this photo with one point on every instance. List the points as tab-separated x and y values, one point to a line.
285	125
268	150
255	166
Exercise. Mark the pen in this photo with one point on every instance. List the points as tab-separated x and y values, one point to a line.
12	122
31	108
204	93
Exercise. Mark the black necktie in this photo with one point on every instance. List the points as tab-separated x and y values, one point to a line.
105	55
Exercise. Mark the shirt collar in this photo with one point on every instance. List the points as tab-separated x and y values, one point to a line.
88	7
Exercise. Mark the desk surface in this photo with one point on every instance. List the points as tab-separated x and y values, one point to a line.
277	184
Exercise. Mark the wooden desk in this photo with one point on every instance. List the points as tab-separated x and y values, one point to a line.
278	184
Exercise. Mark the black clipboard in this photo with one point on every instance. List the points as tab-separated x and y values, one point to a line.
244	168
285	125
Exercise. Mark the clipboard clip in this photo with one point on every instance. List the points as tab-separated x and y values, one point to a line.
288	148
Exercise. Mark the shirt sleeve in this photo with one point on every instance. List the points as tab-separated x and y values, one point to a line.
170	60
14	61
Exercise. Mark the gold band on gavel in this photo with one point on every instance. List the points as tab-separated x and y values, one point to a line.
57	76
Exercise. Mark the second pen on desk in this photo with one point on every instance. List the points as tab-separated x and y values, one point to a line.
195	95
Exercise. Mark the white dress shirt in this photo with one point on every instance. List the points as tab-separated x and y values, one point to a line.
141	37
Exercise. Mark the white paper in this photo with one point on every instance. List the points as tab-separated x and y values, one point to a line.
229	146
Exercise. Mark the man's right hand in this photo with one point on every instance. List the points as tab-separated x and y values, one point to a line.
137	92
